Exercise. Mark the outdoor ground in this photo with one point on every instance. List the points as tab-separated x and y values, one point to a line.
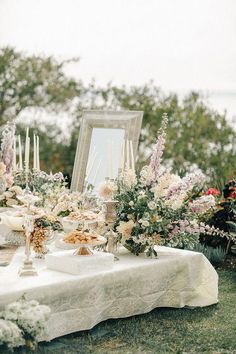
209	330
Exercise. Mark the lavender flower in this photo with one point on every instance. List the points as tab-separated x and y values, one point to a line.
195	228
7	146
203	204
159	148
186	184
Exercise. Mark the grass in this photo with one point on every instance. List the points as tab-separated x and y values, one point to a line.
209	330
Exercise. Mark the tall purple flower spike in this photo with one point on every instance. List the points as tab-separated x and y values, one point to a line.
7	146
159	148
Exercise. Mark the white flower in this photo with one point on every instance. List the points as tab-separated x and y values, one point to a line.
164	183
8	194
10	202
141	195
203	204
125	228
144	222
29	315
152	205
131	203
147	176
176	202
10	334
106	190
129	178
17	190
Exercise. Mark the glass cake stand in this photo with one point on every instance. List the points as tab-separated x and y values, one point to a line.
83	249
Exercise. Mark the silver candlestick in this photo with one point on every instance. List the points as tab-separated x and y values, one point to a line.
112	237
28	268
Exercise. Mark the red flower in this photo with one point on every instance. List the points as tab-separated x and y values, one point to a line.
213	191
232	195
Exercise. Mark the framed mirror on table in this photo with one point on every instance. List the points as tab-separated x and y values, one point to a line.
107	141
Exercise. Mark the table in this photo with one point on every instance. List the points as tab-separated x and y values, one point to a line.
134	285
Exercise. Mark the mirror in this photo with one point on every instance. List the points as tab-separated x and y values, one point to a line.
104	155
100	149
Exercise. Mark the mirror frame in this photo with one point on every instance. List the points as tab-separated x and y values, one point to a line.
130	121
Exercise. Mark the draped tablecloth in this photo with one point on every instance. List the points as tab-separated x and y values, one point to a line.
134	285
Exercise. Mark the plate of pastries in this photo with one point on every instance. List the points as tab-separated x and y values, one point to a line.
77	238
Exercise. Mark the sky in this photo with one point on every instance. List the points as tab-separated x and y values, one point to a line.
181	45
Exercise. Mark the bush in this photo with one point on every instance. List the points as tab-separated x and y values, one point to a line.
215	255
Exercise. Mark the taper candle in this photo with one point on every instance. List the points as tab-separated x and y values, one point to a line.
20	153
35	153
14	154
121	161
127	155
27	151
132	154
111	161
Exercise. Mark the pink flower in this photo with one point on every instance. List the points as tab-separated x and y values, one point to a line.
9	180
159	148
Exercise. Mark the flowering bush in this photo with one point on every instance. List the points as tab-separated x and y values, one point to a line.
224	215
23	323
10	196
160	208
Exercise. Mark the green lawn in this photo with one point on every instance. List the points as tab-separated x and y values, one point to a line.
201	330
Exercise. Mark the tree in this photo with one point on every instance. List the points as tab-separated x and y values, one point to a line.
196	134
33	81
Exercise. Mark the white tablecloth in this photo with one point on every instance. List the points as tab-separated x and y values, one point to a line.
135	285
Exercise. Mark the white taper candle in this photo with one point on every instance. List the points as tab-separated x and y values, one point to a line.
37	154
127	155
27	152
132	154
121	161
14	154
20	153
111	160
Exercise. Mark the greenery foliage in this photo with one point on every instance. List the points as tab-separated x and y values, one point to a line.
32	81
197	135
215	255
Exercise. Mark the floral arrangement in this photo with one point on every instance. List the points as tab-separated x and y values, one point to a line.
23	323
66	202
43	228
10	196
161	208
7	153
6	157
39	181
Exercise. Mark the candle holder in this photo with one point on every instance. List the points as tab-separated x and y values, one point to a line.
27	267
112	237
